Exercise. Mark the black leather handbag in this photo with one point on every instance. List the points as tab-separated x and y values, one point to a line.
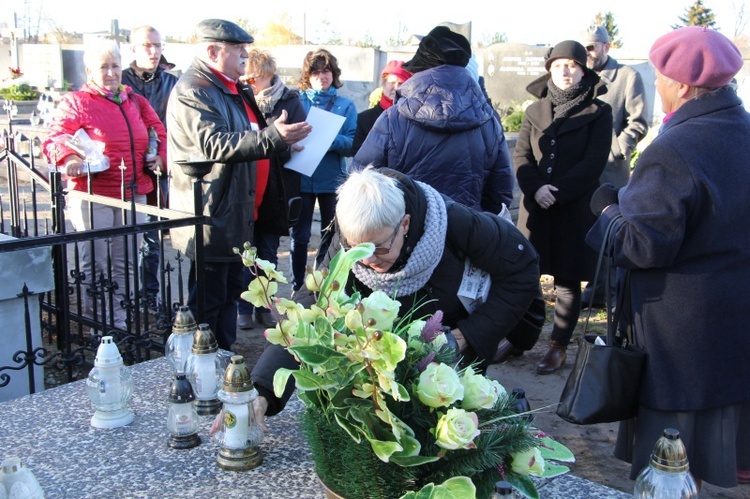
604	383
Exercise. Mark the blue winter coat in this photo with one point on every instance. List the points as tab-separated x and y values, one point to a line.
331	171
442	131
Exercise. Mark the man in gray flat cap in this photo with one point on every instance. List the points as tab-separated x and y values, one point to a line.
212	117
626	97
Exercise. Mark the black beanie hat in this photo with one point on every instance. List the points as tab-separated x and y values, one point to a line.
441	46
568	49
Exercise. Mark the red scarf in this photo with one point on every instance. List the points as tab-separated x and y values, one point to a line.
263	165
385	102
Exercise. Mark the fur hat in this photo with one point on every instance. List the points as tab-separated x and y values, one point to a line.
696	56
568	49
219	30
595	33
395	68
440	46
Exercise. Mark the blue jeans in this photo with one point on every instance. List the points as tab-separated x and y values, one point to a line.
222	290
268	247
302	229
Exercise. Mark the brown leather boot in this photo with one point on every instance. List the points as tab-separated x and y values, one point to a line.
505	350
554	359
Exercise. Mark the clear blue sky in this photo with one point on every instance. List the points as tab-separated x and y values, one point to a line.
523	21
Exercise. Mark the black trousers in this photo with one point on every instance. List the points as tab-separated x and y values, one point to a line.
224	284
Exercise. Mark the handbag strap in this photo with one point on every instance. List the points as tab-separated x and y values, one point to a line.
604	264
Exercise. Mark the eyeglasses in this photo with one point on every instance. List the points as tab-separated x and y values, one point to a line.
319	72
155	46
380	250
590	48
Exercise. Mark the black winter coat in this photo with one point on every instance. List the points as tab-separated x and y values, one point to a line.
206	120
365	121
492	244
571	156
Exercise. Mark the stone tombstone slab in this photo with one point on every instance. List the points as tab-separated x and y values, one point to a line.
32	267
42	65
508	68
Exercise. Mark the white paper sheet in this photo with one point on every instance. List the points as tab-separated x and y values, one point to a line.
325	127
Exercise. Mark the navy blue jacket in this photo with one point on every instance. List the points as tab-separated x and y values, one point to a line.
155	89
442	131
684	235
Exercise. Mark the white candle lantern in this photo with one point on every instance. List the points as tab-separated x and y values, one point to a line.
109	387
240	436
204	371
16	480
180	342
182	419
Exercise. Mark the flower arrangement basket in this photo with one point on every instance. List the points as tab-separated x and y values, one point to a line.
390	410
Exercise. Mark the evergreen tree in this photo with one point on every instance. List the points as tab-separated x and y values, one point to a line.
697	15
607	19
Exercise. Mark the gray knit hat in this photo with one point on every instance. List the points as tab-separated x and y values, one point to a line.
595	33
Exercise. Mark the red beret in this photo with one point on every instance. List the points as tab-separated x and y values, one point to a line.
395	68
696	56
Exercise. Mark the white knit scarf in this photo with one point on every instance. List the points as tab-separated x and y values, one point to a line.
422	262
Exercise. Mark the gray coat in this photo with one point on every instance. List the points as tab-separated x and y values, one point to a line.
205	120
627	98
685	236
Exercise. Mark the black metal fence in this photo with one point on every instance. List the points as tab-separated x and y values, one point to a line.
79	310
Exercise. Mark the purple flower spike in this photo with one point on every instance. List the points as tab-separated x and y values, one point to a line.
432	327
422	364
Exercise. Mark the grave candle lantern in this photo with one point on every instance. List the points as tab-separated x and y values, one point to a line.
109	387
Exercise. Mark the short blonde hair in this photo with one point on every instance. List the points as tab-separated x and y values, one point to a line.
260	63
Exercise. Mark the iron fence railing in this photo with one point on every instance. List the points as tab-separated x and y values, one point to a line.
32	211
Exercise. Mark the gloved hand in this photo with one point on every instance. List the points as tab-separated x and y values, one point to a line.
604	196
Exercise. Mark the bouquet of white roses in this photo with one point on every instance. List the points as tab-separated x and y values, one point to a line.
387	391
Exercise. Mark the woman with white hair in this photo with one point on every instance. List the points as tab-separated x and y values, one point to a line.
422	243
117	120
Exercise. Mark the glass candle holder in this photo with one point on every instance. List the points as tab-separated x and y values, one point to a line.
182	419
204	371
109	387
240	436
180	342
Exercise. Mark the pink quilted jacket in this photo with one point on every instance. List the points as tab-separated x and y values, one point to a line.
122	127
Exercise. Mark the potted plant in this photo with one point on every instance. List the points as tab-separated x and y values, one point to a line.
388	411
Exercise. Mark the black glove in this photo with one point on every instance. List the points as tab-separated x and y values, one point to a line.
604	196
